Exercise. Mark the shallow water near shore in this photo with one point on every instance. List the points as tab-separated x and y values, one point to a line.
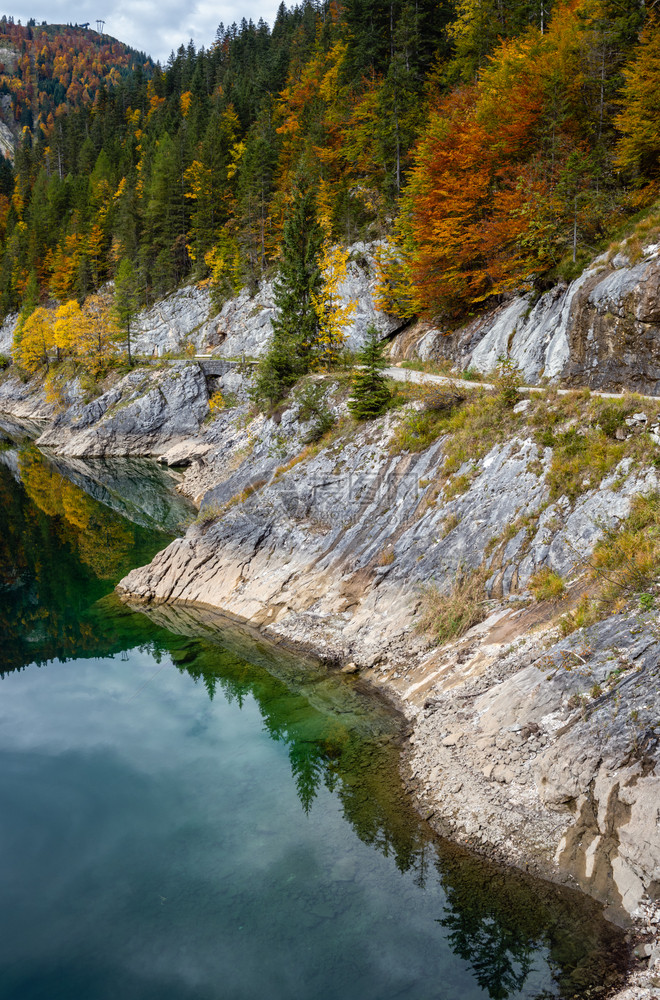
190	813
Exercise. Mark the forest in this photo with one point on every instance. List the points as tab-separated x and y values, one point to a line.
493	145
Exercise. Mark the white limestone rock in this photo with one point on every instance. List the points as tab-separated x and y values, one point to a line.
243	325
7	330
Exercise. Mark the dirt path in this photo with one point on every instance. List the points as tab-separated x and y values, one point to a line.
410	375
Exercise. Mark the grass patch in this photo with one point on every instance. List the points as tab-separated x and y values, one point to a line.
442	367
475	427
458	485
546	585
449	523
637	231
627	561
584	433
585	613
581	461
418	431
449	616
472	425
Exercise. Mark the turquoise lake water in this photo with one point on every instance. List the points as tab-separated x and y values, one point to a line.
189	813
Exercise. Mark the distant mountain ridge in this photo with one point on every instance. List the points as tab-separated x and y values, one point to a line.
47	69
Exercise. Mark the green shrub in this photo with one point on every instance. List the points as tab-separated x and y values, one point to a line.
312	406
417	431
507	379
646	602
611	416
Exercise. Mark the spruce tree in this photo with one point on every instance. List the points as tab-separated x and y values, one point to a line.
370	395
295	329
126	299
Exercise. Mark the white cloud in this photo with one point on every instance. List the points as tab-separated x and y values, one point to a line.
154	28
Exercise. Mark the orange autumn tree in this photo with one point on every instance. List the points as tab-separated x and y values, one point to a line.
638	150
484	210
470	215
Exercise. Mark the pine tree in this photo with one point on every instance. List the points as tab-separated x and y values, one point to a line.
295	330
370	395
126	299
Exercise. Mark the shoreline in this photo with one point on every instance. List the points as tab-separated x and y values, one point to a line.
506	857
501	816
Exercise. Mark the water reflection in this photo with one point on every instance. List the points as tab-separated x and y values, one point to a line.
503	925
60	551
510	937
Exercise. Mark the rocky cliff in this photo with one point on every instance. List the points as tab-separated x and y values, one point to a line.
543	746
243	325
145	413
602	330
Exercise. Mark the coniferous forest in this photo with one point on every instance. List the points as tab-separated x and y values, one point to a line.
497	144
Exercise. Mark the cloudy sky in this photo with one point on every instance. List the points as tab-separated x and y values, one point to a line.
153	26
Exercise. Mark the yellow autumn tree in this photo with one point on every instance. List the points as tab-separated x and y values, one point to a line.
101	329
33	339
332	313
69	329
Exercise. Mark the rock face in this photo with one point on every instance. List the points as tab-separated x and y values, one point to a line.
7	142
549	751
174	322
601	331
615	330
7	334
243	325
25	400
558	746
145	413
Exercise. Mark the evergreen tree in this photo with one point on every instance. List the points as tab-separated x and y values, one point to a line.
126	299
370	395
295	329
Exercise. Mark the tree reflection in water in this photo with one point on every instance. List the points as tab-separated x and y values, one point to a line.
61	553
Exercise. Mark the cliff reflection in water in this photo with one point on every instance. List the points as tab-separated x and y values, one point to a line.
61	553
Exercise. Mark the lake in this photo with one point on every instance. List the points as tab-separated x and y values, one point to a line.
190	812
